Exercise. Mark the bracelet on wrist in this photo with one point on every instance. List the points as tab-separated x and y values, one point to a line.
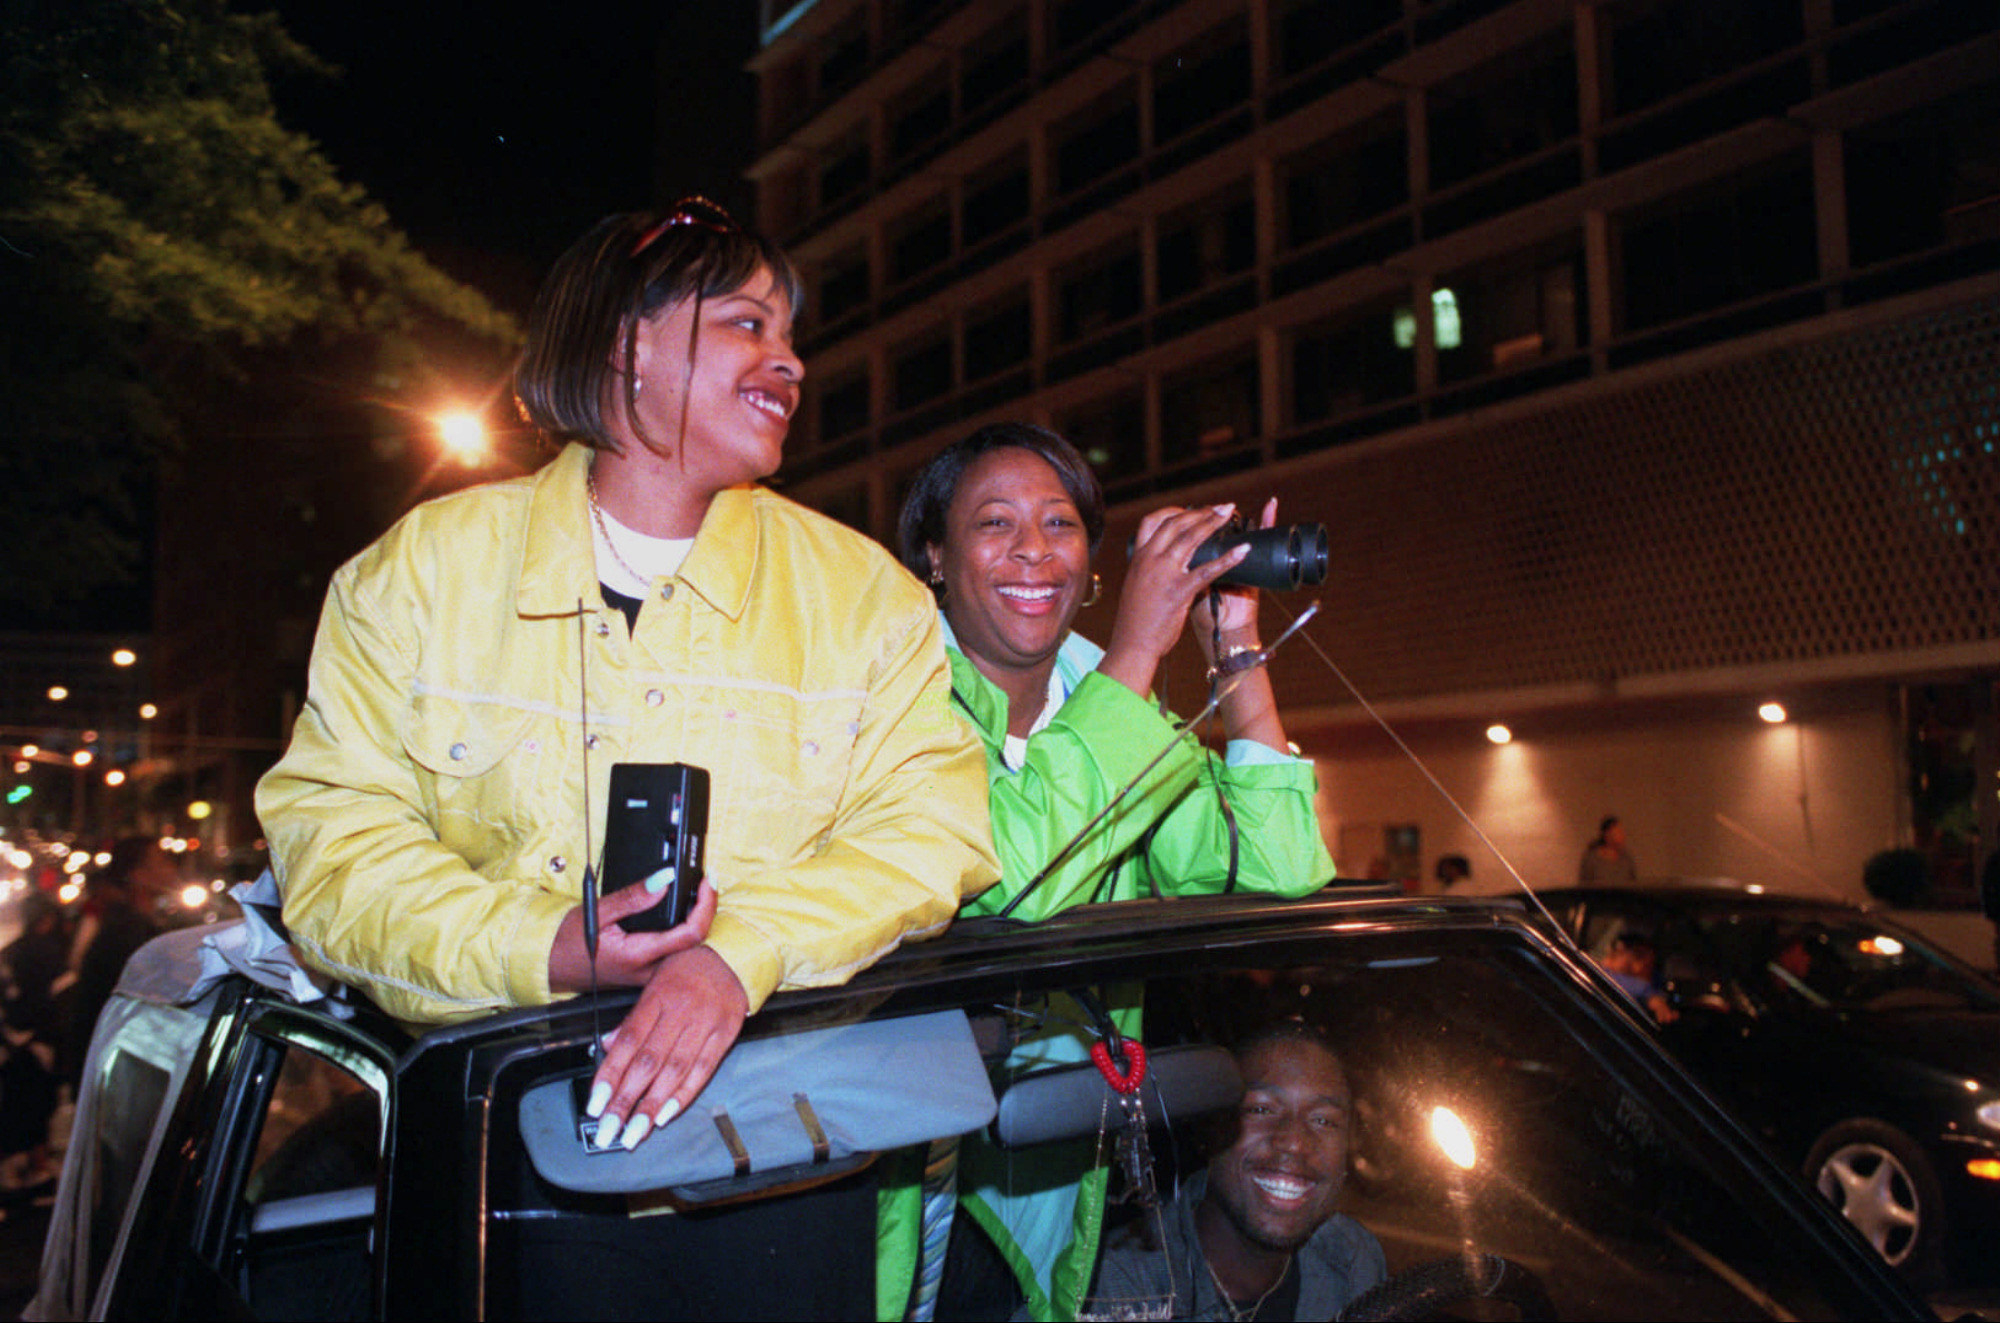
1234	661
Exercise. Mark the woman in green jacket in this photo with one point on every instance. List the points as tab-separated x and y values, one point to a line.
1003	526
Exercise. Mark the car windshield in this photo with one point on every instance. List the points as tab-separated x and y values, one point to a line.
1496	1108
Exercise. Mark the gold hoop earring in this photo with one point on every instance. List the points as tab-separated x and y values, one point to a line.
1096	591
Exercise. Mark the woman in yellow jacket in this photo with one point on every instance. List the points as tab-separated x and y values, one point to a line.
427	823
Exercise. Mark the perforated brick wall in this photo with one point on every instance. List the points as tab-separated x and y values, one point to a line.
1822	500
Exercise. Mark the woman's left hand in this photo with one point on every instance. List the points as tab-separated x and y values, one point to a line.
663	1055
1235	616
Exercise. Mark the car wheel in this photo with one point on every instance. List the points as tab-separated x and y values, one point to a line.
1883	1184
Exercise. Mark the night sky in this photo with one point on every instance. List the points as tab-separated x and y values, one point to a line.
496	134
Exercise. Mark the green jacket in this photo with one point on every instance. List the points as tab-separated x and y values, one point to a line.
1098	741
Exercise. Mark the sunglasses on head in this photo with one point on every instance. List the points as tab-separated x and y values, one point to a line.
691	210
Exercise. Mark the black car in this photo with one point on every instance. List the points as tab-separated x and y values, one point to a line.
239	1155
1866	1056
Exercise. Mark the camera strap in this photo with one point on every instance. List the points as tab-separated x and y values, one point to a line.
1221	690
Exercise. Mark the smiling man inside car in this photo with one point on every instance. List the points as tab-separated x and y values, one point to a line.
1256	1235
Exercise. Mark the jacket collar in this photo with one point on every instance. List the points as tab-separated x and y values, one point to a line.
1076	658
558	567
723	562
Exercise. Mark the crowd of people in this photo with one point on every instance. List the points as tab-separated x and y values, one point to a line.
55	977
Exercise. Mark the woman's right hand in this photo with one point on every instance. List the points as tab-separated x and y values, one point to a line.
1160	590
624	959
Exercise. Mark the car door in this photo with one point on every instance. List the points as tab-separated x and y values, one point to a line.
284	1221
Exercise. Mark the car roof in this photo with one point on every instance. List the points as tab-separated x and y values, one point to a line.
973	951
170	969
1718	894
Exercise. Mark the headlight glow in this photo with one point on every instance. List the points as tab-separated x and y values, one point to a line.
1452	1136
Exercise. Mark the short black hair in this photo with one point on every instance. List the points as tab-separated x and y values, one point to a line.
1289	1030
584	326
921	525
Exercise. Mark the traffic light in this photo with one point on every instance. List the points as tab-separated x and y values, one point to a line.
19	793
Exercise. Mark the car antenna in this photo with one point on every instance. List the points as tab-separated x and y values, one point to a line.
1221	691
1436	784
589	854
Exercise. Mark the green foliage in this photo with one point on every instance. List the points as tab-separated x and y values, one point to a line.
153	160
157	224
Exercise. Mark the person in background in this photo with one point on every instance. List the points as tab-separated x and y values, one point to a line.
1607	862
1989	900
127	896
1451	870
34	1044
1634	965
640	599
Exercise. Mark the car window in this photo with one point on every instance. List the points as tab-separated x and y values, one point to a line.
1832	959
1591	1168
140	1057
131	1093
1582	1172
301	1236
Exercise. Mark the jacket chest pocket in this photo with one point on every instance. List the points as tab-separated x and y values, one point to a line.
485	764
784	772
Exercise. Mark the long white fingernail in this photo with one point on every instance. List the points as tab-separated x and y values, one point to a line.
600	1094
635	1130
669	1112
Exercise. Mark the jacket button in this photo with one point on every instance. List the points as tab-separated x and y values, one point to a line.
654	698
666	592
556	864
603	629
457	752
590	740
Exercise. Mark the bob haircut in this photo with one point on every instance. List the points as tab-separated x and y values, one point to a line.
584	327
921	525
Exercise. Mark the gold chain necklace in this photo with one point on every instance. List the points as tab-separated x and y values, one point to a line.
597	513
1222	1292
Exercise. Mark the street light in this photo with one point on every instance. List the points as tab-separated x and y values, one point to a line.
464	436
124	657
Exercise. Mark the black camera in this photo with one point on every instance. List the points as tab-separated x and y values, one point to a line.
658	823
1289	556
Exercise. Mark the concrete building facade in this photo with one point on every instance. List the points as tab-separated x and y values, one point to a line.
1640	356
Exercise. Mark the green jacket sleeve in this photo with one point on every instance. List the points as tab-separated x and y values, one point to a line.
1098	742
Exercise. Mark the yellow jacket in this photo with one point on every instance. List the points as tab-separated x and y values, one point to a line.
425	824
